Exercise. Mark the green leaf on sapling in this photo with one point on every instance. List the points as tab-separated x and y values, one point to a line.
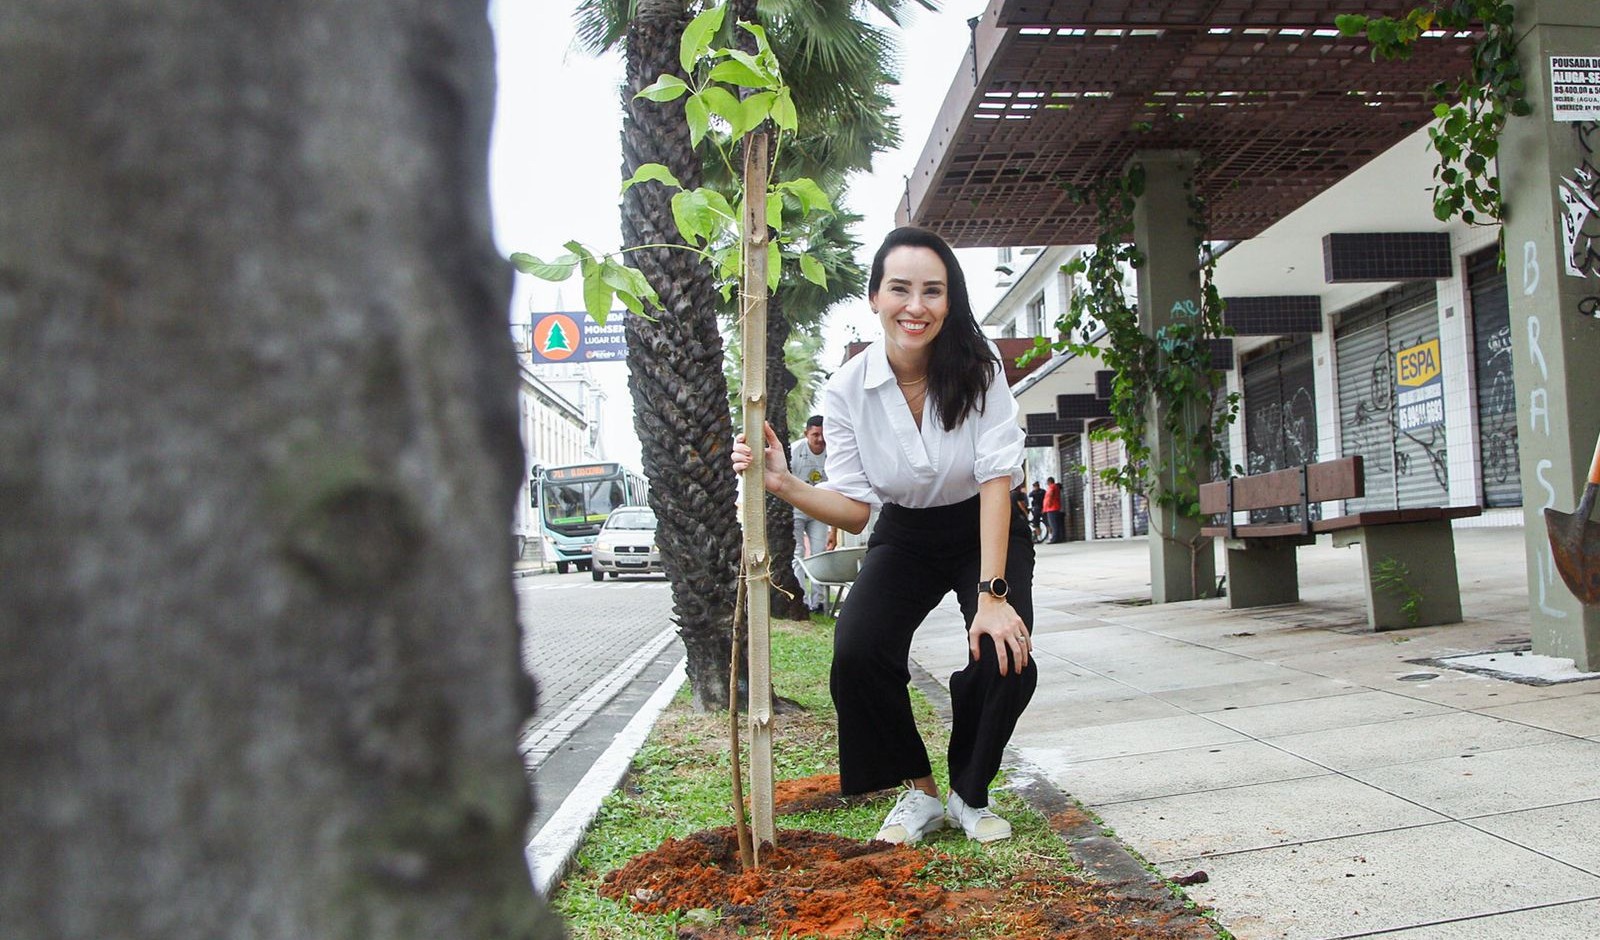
665	88
812	270
596	295
783	112
811	196
752	111
558	270
739	72
698	34
723	104
695	220
763	47
651	171
698	115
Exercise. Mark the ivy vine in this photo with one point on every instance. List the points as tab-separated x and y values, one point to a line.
1171	367
1473	110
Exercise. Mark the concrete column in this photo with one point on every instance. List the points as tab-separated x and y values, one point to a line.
1169	277
1552	246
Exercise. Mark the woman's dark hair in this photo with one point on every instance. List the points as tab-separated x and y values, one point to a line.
962	365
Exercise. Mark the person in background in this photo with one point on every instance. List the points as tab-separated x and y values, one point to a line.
808	460
1053	516
923	423
1019	498
1036	504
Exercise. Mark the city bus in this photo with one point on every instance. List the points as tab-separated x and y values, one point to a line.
574	501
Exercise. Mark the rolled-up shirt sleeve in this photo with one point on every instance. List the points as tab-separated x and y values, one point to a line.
998	438
846	474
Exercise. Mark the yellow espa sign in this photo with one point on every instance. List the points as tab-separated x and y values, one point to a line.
1418	387
1417	365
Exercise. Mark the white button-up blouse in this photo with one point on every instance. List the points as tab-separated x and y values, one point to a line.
877	454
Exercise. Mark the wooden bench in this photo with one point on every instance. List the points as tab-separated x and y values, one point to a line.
1262	567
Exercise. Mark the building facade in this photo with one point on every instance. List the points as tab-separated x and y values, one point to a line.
1362	326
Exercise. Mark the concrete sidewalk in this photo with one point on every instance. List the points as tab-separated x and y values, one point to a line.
1329	786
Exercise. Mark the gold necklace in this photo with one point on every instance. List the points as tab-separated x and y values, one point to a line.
912	383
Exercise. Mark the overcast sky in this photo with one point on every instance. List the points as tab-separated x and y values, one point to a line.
555	162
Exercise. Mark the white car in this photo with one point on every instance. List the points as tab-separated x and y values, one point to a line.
627	544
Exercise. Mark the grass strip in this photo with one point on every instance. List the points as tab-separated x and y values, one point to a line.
680	785
680	779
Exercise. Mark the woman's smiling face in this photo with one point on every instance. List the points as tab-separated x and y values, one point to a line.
913	299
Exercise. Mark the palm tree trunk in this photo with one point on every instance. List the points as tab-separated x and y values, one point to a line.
675	369
788	597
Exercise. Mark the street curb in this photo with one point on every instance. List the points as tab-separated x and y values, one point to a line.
551	851
1103	858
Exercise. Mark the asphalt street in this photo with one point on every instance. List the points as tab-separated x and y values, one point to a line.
605	656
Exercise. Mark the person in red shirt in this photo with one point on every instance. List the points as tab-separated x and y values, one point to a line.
1053	516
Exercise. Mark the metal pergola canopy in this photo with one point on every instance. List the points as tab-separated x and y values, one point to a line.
1274	102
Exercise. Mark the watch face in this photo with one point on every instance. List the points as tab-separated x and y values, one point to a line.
997	587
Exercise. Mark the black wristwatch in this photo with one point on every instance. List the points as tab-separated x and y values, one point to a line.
997	587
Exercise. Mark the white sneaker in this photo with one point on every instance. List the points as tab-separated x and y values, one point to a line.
915	814
980	824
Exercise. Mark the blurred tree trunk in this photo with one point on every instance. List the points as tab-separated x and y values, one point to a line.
258	649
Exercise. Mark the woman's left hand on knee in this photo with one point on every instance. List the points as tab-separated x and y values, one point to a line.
999	621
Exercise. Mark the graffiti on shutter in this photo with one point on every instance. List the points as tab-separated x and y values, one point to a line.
1106	499
1497	392
1403	468
1071	460
1280	414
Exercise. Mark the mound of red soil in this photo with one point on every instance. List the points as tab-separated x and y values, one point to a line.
819	885
812	793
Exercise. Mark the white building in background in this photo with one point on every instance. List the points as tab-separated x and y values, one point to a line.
559	415
1036	294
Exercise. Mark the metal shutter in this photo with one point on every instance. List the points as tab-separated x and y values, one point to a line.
1221	468
1107	499
1497	393
1280	409
1403	468
1280	413
1141	514
1263	403
1070	460
1422	474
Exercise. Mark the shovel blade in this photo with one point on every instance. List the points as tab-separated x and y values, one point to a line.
1575	544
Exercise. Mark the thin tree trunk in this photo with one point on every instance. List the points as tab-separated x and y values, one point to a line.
741	819
258	450
757	562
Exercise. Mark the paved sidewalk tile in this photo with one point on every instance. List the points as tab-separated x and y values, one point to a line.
1379	881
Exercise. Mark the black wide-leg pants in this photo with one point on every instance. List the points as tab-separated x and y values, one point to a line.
915	557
